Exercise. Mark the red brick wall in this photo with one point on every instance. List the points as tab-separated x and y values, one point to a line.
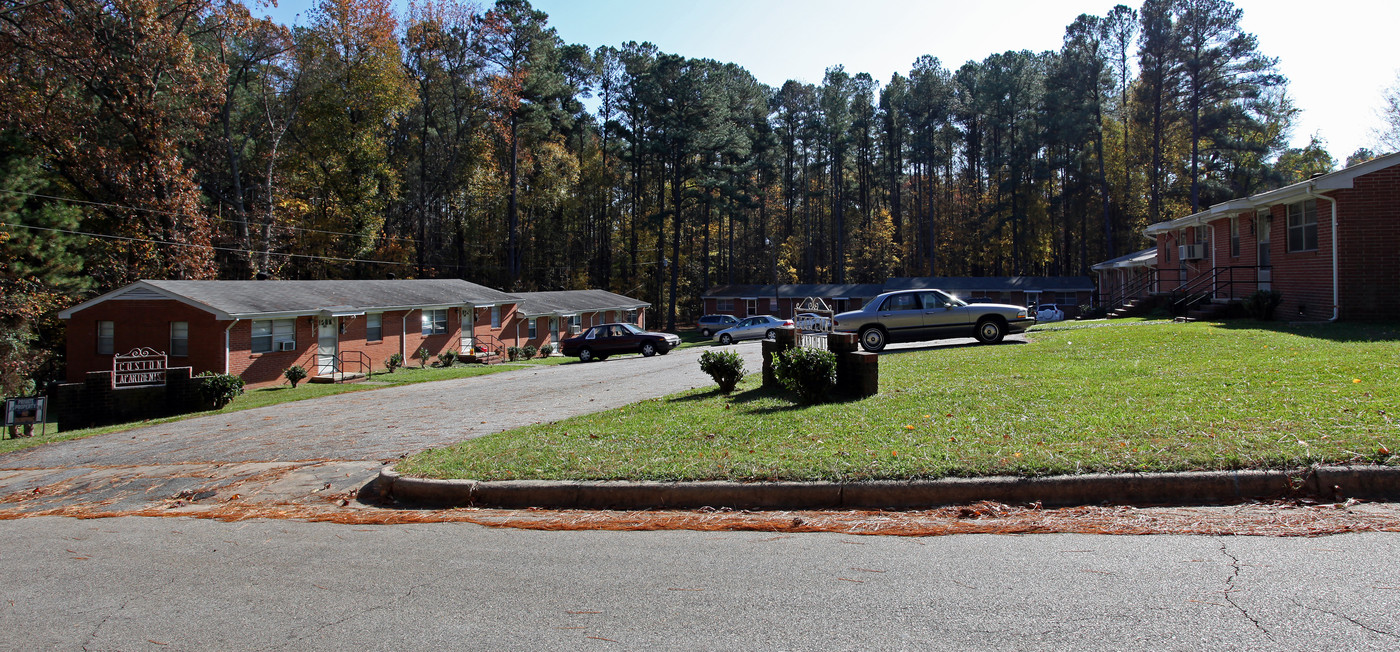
1369	245
264	369
143	323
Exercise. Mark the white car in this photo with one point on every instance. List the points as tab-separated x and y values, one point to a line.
810	322
1049	312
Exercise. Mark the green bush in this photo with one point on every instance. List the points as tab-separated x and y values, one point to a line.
513	353
726	367
1261	304
393	362
447	358
546	350
422	356
810	373
218	390
295	373
527	351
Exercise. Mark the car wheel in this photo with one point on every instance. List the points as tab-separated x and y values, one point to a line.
990	331
726	339
772	334
872	339
585	355
704	332
648	349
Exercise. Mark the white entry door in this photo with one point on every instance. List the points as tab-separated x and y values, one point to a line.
326	345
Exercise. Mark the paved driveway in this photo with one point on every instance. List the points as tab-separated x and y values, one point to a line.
321	449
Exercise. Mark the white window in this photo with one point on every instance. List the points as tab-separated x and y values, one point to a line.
495	316
724	305
750	307
106	338
1302	226
575	321
1235	237
631	316
274	335
531	335
179	338
374	327
435	321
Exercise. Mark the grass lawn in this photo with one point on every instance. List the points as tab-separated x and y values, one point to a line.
1080	397
255	398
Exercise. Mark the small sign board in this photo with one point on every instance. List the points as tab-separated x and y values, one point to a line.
25	411
140	368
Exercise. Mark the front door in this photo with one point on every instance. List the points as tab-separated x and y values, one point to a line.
326	345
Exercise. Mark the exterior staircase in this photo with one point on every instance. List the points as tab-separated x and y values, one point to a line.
1136	307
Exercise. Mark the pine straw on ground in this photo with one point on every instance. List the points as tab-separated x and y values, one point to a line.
1280	519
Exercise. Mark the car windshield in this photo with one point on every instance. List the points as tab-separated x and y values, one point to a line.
629	328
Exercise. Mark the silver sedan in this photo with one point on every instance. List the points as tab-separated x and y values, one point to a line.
758	327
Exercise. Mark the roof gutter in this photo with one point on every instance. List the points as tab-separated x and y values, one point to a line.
1336	300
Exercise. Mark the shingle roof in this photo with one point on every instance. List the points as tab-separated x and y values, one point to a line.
241	299
1144	258
565	302
993	283
948	283
796	290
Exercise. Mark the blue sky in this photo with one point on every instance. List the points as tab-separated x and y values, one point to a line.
1338	55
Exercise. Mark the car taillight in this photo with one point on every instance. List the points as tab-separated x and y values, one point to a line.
787	323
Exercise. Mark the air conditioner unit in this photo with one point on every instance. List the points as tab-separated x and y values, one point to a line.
288	346
1192	251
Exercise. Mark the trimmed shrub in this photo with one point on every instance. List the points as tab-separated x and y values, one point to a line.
726	367
1261	304
393	362
218	390
527	351
295	373
447	358
513	353
422	355
546	350
810	373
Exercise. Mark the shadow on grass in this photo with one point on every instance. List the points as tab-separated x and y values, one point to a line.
1341	332
937	346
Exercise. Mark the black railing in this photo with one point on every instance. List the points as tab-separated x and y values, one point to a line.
1218	283
486	349
1137	288
358	360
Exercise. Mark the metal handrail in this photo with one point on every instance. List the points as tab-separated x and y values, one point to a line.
496	351
1211	284
359	359
1132	290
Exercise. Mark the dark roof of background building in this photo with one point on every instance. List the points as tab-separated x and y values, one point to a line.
796	290
993	283
953	284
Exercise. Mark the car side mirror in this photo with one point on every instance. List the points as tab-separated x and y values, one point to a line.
947	306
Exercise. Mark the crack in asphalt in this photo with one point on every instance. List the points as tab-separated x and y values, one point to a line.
1230	588
353	613
1343	616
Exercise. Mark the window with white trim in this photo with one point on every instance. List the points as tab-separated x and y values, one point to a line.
435	321
750	307
274	335
1235	237
1302	226
495	316
575	321
531	334
374	327
724	305
179	338
106	338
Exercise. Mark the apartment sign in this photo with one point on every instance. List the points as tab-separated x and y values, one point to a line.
140	368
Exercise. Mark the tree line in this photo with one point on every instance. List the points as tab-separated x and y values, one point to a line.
191	139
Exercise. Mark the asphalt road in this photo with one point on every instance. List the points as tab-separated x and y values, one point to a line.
322	450
179	584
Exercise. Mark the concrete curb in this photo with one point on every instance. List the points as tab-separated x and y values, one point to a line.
1204	488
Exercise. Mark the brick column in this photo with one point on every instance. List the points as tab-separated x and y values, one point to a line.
857	372
786	339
